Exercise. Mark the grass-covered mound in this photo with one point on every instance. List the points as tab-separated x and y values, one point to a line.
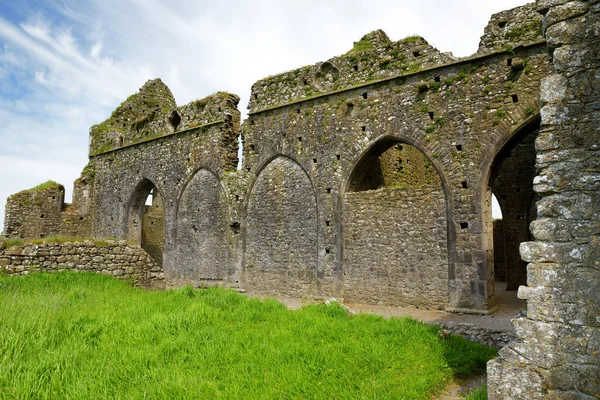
85	336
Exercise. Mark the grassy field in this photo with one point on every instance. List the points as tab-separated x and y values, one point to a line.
85	336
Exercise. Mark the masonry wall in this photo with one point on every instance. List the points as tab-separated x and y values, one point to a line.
458	113
499	257
281	247
114	258
557	352
395	247
202	232
307	134
39	213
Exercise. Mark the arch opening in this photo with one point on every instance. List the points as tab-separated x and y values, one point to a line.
392	164
145	225
511	182
395	229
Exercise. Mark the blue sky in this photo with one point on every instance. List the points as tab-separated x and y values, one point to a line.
66	64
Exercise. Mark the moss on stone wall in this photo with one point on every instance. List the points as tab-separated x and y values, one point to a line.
140	117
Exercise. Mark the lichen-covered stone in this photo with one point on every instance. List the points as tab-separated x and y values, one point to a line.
390	144
557	351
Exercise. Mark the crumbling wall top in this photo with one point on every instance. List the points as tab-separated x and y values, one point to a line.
512	28
375	57
152	112
372	58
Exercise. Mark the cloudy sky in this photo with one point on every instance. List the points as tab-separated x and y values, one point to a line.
66	64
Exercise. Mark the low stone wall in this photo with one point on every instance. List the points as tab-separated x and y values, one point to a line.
114	258
491	338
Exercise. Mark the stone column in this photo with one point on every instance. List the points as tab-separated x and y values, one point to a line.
557	353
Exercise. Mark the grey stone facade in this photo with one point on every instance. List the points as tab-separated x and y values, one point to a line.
557	351
110	257
369	177
409	132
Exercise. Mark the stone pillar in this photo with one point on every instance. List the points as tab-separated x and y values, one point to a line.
557	352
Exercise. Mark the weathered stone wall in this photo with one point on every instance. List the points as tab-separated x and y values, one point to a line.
395	247
114	258
329	118
557	354
499	258
281	232
39	213
511	28
458	113
202	232
124	176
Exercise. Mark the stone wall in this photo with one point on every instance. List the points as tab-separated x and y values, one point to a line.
499	258
202	232
114	258
279	224
281	232
458	114
557	354
41	212
395	247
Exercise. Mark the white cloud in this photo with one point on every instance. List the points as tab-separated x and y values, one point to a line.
66	64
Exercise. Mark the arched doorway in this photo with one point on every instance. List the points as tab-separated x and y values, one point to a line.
395	229
511	182
145	224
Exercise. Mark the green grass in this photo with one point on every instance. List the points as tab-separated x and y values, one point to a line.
412	39
478	394
45	185
84	336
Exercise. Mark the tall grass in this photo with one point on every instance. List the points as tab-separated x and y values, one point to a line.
84	336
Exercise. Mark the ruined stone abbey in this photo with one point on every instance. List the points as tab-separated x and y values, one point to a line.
369	177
